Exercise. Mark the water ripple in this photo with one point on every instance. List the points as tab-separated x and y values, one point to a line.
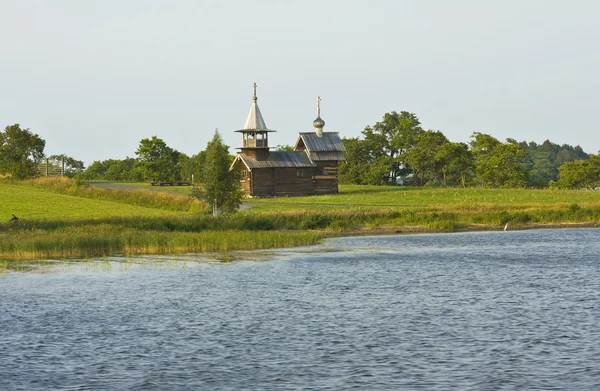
473	311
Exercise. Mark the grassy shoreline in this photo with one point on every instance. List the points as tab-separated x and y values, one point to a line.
64	219
105	240
75	242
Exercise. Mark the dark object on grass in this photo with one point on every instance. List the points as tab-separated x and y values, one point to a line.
14	219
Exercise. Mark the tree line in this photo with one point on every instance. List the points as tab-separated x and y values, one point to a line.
155	161
22	152
22	155
397	150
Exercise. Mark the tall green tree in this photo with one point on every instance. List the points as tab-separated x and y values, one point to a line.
362	167
390	139
157	160
220	186
20	151
498	164
580	174
126	170
456	163
421	157
543	160
96	170
191	168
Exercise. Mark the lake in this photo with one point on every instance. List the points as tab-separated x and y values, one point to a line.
471	311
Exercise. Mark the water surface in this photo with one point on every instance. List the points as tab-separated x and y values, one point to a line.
470	311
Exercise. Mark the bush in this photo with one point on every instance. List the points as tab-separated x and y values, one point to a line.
315	221
520	218
503	217
258	224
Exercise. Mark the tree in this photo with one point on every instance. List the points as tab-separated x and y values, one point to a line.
157	160
361	166
580	174
20	151
498	164
220	186
543	160
126	170
286	147
421	157
95	171
390	140
68	165
191	168
456	162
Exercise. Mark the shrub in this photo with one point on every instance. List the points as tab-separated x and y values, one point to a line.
315	221
503	217
258	224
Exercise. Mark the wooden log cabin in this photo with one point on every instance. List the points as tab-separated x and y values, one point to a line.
311	168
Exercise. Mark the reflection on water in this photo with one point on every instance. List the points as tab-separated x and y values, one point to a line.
491	310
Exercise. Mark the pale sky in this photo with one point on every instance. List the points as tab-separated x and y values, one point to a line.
93	78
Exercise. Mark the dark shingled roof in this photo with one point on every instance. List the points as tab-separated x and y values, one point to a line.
327	156
277	159
329	142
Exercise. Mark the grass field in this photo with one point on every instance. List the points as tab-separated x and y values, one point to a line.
176	190
457	199
353	197
64	218
33	203
61	218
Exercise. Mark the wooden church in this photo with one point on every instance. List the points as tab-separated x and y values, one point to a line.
311	168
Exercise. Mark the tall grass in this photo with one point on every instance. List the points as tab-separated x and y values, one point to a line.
145	198
86	241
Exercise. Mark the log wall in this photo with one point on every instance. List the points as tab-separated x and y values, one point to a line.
326	178
262	182
287	182
277	182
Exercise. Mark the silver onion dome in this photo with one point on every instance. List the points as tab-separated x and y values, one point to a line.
319	123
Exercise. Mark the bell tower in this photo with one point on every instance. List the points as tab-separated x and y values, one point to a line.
255	135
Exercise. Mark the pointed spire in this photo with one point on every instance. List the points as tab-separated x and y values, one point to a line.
255	120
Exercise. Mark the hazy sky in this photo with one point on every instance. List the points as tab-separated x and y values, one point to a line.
93	78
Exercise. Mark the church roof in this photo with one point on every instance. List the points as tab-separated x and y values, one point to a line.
327	156
276	159
327	142
255	119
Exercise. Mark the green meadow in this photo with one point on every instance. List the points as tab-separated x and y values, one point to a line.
35	203
404	209
456	199
63	218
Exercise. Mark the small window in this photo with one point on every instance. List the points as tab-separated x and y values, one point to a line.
325	171
244	174
299	172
